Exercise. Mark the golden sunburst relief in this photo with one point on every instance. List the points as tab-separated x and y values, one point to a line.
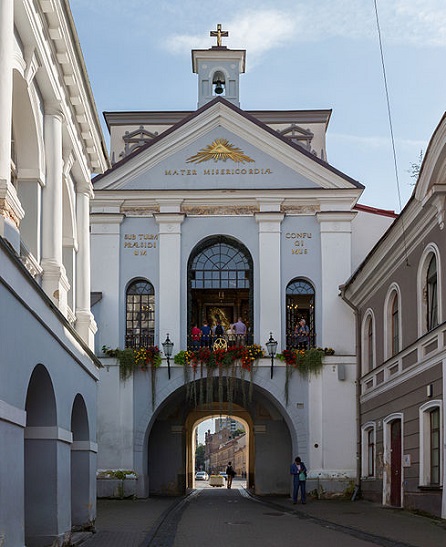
220	149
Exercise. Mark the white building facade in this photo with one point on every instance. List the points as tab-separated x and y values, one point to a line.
223	213
50	144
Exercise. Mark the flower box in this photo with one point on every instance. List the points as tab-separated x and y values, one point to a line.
216	480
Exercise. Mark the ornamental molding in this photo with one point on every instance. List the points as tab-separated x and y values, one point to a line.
140	211
216	210
300	209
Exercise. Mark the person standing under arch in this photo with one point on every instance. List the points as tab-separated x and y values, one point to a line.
299	472
230	474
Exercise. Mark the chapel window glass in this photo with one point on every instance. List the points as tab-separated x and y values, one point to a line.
300	304
432	294
220	266
140	314
220	285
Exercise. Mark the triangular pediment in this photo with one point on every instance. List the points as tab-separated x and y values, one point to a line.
220	147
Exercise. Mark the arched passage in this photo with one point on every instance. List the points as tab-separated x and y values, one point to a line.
169	464
205	412
83	468
41	457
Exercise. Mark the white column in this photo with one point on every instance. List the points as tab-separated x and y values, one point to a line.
169	292
54	279
270	296
6	55
11	212
336	268
85	324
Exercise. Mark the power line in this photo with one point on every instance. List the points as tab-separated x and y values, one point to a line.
389	114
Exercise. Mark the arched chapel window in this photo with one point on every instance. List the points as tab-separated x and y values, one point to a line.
300	297
220	266
140	314
432	294
220	284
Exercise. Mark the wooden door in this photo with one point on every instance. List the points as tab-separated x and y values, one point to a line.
395	464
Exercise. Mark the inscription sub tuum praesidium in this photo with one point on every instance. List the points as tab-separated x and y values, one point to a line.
140	243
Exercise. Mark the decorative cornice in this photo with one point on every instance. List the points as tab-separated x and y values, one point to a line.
139	211
294	208
219	210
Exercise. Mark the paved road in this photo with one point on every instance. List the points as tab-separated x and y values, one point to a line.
222	517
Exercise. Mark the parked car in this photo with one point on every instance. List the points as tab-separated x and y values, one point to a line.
201	476
224	475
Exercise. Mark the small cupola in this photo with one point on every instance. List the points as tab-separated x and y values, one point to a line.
218	70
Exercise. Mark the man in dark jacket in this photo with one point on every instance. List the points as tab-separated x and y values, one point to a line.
299	472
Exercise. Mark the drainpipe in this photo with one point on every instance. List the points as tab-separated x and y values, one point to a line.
358	390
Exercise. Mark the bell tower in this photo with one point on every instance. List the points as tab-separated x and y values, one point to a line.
218	70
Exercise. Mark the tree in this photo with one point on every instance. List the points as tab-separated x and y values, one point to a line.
416	167
199	457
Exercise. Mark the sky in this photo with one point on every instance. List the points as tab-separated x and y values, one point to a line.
310	54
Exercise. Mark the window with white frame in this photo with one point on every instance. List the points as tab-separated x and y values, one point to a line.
368	342
429	290
368	450
432	294
430	444
395	324
140	314
392	322
434	445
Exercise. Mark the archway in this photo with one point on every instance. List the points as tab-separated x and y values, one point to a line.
41	458
220	284
82	467
169	465
214	410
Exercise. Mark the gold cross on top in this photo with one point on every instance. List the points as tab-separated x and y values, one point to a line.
219	34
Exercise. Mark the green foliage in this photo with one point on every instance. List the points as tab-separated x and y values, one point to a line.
415	168
305	361
199	456
126	359
133	359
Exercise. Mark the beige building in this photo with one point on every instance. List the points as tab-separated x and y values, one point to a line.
398	297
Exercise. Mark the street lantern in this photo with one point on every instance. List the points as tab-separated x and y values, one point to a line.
168	348
271	347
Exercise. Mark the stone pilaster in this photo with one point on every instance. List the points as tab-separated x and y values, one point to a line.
169	237
336	268
270	297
